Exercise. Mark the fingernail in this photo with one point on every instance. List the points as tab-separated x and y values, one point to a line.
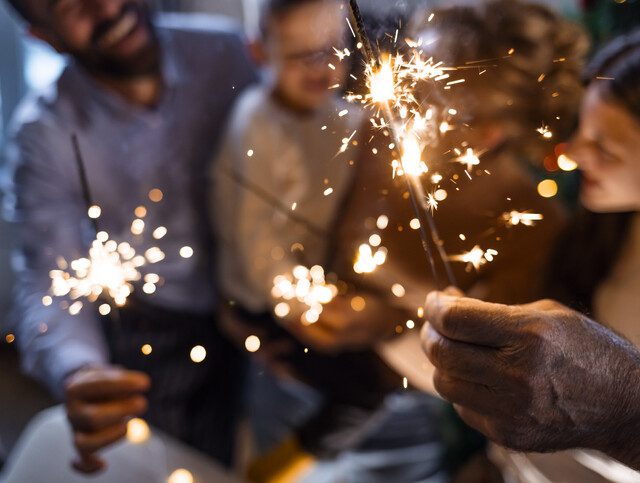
434	303
433	334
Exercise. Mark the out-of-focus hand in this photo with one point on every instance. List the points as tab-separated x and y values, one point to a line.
342	328
539	377
99	402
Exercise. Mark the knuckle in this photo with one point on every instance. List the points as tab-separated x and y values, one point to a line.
438	351
80	441
88	417
141	404
441	384
432	349
448	319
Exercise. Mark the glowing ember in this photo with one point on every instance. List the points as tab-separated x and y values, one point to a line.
545	131
382	83
198	354
108	272
470	159
180	476
432	203
138	431
516	218
476	258
565	163
307	286
367	261
412	163
252	344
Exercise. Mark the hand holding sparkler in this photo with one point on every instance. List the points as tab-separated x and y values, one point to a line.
535	377
99	402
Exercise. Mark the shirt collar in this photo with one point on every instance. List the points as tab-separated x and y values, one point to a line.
172	72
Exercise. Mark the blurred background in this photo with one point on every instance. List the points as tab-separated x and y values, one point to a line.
26	64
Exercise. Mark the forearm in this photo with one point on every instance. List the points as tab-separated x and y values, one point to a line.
624	444
54	344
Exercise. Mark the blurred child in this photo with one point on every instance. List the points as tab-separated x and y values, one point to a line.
281	177
280	181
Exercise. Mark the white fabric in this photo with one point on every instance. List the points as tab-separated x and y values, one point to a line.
574	466
45	451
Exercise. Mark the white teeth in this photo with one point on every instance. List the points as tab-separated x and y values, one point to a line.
120	30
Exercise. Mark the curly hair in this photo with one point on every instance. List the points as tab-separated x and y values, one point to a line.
521	62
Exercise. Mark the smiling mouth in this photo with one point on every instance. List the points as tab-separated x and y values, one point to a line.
589	182
120	30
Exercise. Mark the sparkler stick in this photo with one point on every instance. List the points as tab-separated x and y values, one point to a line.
360	30
272	201
416	191
109	269
84	182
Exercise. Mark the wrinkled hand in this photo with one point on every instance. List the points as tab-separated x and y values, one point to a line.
342	328
538	377
99	402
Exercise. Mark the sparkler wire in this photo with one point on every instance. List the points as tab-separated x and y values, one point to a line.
114	313
84	182
273	202
360	30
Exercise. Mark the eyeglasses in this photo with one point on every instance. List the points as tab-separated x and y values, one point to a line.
313	58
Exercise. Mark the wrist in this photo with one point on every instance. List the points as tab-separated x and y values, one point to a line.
623	431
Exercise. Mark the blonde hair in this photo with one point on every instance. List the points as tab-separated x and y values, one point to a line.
522	66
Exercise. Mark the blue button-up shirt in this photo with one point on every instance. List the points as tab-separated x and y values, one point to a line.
128	150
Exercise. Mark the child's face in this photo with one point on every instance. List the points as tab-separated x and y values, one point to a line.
299	49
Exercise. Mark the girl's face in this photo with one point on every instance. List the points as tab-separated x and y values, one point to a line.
607	150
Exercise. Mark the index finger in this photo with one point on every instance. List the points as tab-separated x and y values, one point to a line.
470	321
108	384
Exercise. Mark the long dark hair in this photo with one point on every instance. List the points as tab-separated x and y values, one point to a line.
593	242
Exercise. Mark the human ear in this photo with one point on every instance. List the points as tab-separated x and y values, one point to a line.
258	52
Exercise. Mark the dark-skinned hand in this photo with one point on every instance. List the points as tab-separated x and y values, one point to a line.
99	403
536	377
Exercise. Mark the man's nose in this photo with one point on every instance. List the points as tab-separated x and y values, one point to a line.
106	9
579	151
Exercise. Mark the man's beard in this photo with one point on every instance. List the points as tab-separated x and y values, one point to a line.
143	63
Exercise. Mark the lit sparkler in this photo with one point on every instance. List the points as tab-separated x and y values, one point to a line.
110	268
392	82
304	285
